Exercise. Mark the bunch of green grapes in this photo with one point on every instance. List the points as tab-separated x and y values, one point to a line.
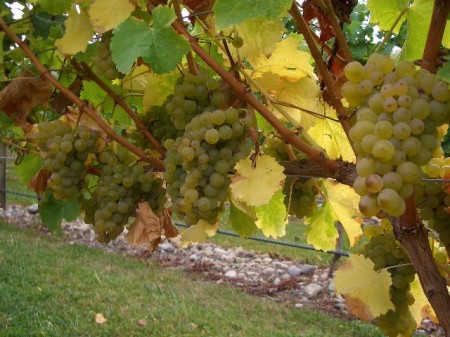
103	62
198	163
396	129
275	147
300	197
192	96
385	252
159	124
122	184
66	153
433	198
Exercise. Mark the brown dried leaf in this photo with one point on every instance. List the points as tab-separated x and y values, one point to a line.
39	181
170	231
146	228
22	95
60	102
100	319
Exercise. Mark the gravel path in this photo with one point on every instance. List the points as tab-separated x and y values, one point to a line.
275	278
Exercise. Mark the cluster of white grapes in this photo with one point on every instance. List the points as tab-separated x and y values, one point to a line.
386	252
197	164
67	151
396	130
121	185
103	62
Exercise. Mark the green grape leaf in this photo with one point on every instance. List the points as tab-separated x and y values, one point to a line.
43	23
92	93
54	7
53	211
29	166
272	219
232	12
444	72
160	45
385	12
241	222
321	232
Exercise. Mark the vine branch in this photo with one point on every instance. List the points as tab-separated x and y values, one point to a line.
83	67
77	101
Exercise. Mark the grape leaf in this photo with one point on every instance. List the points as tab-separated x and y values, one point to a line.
331	136
43	22
260	37
255	185
78	32
241	222
53	211
158	87
28	167
146	227
418	16
366	291
92	93
303	94
321	232
344	201
286	61
272	219
444	72
137	78
198	232
385	12
107	14
54	7
160	45
421	308
232	12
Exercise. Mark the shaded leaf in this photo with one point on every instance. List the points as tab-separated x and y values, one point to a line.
157	88
241	222
255	184
53	211
54	7
28	167
135	38
366	291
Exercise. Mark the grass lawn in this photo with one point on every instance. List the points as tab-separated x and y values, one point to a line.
49	288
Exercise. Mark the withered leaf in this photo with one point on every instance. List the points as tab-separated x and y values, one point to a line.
146	228
170	231
39	181
22	95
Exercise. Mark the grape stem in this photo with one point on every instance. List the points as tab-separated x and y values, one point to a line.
85	69
45	73
441	10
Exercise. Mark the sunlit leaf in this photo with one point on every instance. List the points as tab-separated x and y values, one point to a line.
321	231
421	308
198	232
272	219
107	14
366	291
255	184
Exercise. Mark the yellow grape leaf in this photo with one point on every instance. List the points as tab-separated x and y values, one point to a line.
78	32
272	219
286	61
344	203
108	14
366	291
421	308
303	95
321	231
260	36
137	79
331	136
255	185
158	88
198	232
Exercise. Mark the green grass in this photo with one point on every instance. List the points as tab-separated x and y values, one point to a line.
49	288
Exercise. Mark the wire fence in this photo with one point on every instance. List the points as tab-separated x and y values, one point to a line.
4	192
